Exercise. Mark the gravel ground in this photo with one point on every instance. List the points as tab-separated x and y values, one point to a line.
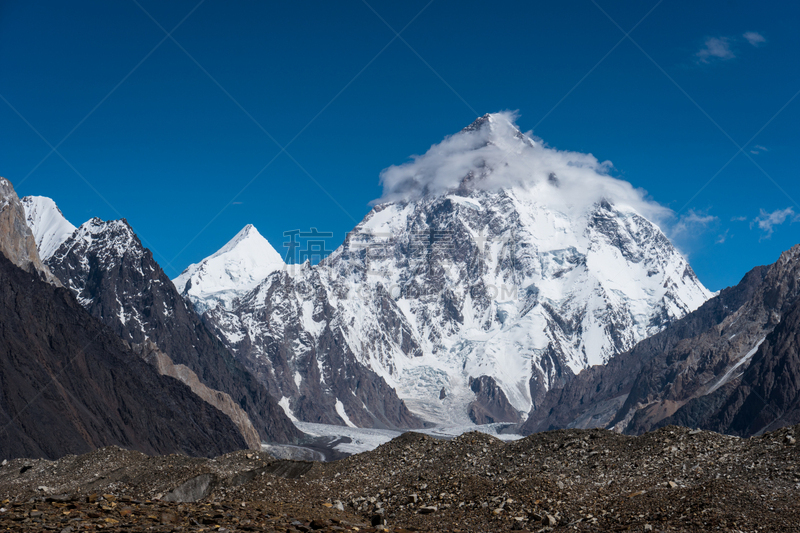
672	479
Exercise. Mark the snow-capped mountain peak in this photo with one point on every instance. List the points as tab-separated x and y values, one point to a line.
49	227
492	269
233	270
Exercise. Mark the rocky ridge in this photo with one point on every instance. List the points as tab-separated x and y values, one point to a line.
17	242
731	366
117	280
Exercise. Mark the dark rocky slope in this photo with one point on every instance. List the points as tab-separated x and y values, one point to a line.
116	278
768	395
68	384
698	370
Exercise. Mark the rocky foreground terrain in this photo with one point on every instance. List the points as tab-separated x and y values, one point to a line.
673	479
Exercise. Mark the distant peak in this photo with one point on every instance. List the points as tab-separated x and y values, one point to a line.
49	226
503	122
249	242
249	233
479	123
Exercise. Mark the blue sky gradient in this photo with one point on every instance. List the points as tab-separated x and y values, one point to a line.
183	137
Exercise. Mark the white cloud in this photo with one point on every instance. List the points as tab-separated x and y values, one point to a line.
497	156
757	149
692	222
715	47
766	222
723	237
754	38
738	219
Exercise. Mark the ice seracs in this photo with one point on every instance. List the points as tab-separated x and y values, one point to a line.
50	228
232	271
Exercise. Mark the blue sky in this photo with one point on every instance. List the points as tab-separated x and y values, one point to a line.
183	135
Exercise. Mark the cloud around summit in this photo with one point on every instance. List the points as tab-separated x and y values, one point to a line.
497	155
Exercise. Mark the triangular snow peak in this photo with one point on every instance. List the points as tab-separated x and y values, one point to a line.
233	270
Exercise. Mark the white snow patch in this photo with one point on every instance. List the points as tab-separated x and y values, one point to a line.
729	374
343	414
50	228
284	403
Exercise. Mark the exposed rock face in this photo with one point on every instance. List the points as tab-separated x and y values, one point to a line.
17	242
767	396
220	400
117	280
525	281
706	370
490	404
69	385
269	329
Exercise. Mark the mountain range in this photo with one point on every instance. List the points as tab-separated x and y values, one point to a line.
497	280
467	303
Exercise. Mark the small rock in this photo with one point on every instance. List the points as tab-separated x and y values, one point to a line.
320	524
168	518
648	527
428	509
672	485
497	511
338	505
790	440
550	520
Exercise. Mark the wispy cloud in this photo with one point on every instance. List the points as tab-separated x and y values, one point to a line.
692	222
766	222
715	48
757	149
738	219
754	38
723	237
722	48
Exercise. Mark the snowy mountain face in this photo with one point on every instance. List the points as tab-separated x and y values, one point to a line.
48	224
231	272
493	269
